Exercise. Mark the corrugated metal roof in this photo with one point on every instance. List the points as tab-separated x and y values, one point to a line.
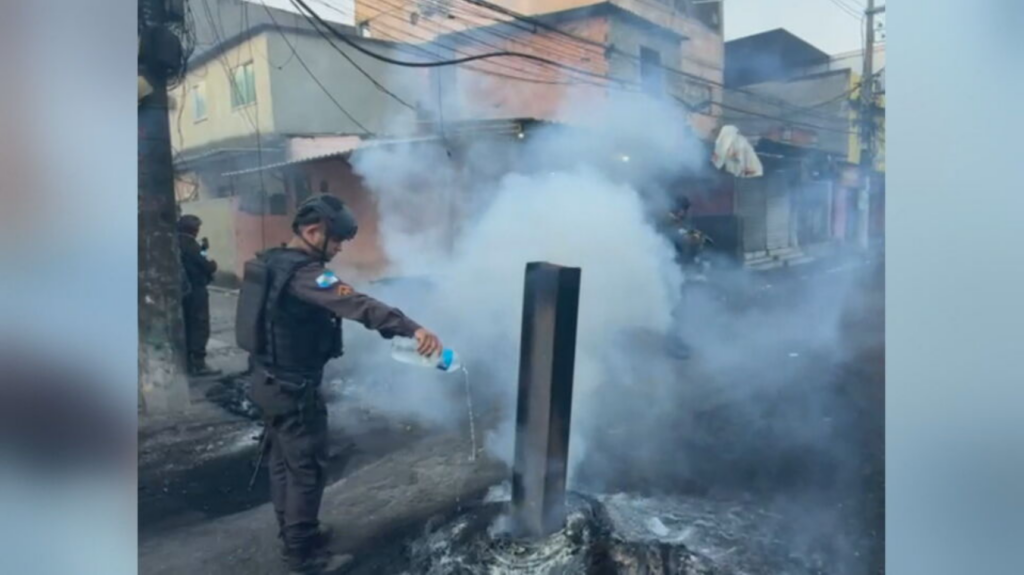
451	130
334	154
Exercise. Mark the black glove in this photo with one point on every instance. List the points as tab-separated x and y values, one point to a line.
204	244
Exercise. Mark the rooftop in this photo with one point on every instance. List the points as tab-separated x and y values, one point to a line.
767	56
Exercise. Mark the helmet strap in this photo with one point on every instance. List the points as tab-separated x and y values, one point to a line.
322	249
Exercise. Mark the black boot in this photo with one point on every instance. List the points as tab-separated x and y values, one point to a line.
198	368
315	562
323	537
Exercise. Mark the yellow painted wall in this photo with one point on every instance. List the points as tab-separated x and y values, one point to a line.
223	121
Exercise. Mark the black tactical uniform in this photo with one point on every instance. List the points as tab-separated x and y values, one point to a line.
293	328
196	302
673	226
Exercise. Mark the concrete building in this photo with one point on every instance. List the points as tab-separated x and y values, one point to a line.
251	91
800	106
671	47
265	87
426	198
270	110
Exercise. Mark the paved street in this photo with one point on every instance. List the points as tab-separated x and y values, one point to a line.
388	475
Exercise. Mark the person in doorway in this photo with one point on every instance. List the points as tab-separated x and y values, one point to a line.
289	319
199	271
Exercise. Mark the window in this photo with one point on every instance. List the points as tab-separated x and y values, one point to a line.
300	184
243	86
199	102
652	75
710	13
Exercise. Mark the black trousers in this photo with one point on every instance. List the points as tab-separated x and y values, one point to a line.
297	459
196	312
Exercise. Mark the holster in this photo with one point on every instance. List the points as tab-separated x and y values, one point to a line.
278	395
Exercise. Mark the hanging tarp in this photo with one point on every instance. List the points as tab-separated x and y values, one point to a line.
734	154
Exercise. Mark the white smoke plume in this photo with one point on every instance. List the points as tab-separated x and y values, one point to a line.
467	219
750	411
562	195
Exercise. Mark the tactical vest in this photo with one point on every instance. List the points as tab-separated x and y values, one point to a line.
289	337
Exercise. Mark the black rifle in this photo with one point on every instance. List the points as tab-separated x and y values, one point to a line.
264	440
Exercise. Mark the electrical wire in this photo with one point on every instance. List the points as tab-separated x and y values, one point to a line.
549	44
855	5
334	8
184	30
778	118
504	53
600	49
222	58
407	49
467	35
259	143
594	48
605	47
844	94
693	108
434	40
355	65
845	9
442	63
316	20
795	109
536	23
475	68
302	62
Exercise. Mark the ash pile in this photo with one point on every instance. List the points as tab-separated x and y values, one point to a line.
232	394
537	527
607	534
476	541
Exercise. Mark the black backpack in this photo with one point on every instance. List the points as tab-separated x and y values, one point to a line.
252	303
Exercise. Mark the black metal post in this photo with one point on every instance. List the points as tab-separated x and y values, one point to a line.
543	414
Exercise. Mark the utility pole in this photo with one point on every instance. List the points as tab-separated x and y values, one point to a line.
163	382
867	125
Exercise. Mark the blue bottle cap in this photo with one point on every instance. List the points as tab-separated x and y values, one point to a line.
447	357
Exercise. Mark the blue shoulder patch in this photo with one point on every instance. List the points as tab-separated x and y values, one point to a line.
326	279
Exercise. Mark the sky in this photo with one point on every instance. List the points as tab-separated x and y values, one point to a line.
341	11
823	23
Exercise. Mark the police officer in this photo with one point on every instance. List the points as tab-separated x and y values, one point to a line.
196	301
674	226
295	325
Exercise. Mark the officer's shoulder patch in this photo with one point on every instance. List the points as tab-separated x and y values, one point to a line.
326	279
344	290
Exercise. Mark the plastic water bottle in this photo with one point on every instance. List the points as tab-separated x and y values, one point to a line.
403	349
